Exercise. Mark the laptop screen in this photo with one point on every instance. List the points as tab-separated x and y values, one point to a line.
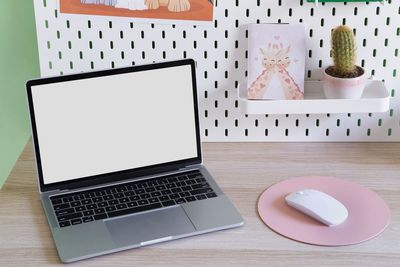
99	125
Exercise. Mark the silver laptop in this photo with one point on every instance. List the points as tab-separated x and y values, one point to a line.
119	159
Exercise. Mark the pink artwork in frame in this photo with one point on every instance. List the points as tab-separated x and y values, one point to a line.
276	61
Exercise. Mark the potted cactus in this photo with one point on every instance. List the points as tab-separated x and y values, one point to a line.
344	79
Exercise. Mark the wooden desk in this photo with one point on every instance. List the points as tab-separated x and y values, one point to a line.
243	170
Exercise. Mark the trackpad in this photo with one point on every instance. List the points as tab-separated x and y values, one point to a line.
136	229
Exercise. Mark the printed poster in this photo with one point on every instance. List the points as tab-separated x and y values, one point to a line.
276	63
149	11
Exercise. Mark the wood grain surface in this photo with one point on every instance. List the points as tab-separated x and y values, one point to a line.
243	170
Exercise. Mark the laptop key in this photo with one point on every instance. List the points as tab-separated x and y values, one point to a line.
166	192
160	187
180	184
145	196
129	193
100	216
100	193
64	224
172	180
65	212
80	208
132	187
79	197
201	197
76	221
150	189
199	186
110	191
88	212
168	203
142	185
121	189
174	196
200	180
134	210
169	186
159	181
56	201
186	188
69	216
87	219
132	204
118	195
152	183
153	200
143	202
67	199
100	210
201	191
163	198
121	206
97	199
87	195
113	202
108	197
102	204
211	195
190	182
134	198
86	201
91	206
156	194
124	200
75	204
110	208
139	191
190	199
180	201
61	206
176	190
184	194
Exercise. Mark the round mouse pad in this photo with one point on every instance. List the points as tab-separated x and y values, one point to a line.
368	213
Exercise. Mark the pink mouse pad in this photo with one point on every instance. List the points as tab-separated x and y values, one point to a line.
368	213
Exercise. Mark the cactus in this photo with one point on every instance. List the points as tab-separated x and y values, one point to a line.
344	52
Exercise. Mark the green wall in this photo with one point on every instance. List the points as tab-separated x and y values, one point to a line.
18	63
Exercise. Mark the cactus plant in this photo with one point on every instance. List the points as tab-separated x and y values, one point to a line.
344	53
344	79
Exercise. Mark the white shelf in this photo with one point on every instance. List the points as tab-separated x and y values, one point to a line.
374	99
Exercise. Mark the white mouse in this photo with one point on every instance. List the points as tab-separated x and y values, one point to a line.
319	206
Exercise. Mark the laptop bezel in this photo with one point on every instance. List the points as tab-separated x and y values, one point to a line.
123	174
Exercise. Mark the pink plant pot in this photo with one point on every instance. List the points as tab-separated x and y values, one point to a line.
343	88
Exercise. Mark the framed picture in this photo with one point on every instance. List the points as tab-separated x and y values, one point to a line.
276	62
149	11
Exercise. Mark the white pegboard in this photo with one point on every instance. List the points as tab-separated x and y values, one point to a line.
74	43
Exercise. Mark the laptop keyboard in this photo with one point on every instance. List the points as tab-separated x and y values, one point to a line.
129	198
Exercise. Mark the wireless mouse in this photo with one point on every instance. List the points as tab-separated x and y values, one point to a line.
318	205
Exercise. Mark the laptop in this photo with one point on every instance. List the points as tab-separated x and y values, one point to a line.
119	160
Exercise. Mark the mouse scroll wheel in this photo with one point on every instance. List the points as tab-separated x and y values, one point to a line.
300	193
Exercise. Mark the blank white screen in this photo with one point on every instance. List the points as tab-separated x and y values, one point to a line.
101	125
